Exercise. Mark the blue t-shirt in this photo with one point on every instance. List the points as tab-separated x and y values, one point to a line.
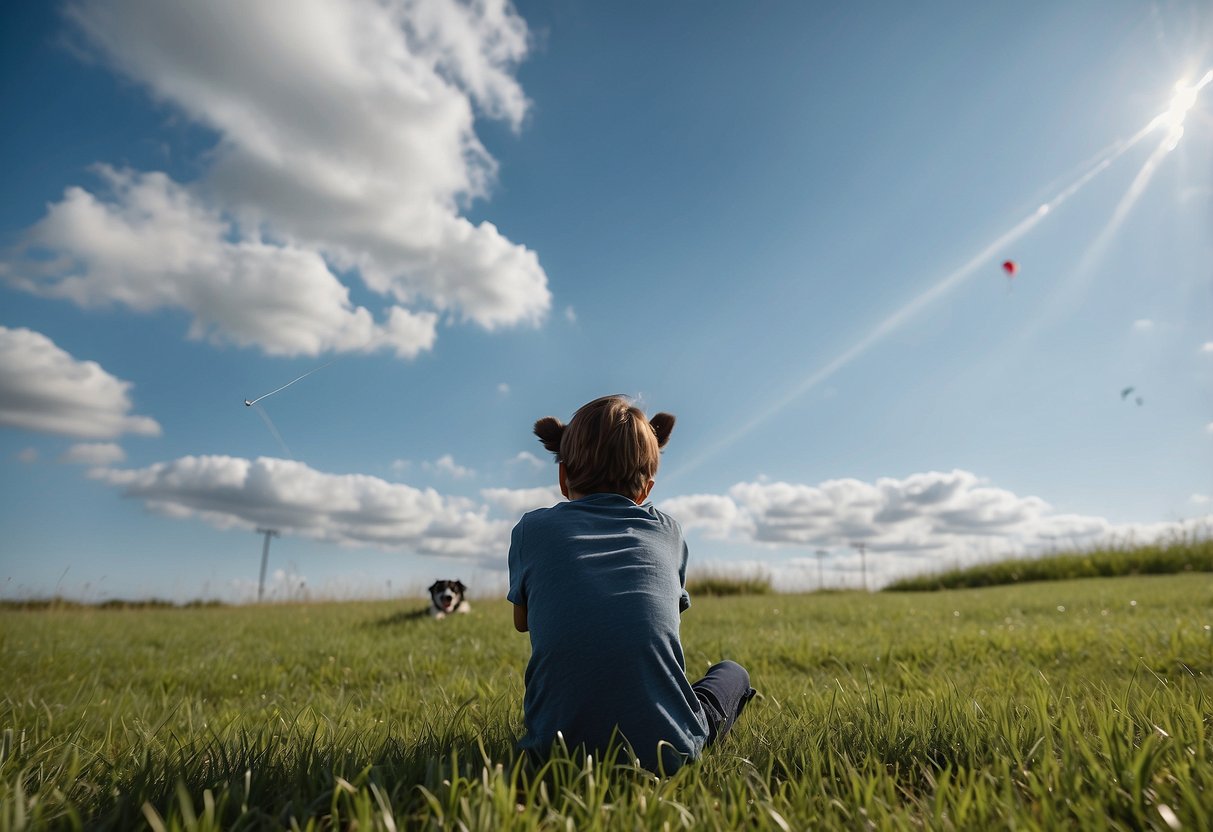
603	581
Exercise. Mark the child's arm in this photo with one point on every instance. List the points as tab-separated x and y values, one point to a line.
517	593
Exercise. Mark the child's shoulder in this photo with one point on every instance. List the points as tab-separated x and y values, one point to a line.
604	507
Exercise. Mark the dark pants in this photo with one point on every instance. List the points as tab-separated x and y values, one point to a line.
724	692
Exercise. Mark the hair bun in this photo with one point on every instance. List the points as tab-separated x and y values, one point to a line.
663	426
549	430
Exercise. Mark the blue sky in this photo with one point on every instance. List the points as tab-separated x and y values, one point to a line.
783	223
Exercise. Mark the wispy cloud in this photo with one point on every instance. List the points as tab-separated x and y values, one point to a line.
94	453
1143	325
529	459
43	388
447	466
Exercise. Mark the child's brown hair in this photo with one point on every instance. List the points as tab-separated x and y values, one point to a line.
608	447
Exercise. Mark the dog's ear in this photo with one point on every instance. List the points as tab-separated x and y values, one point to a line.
663	426
549	430
459	587
435	586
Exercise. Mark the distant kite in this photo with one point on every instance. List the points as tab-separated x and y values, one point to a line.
1010	267
251	402
1124	394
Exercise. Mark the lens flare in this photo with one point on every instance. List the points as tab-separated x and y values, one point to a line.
1171	121
1183	101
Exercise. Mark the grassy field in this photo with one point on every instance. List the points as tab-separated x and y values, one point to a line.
1054	705
1183	552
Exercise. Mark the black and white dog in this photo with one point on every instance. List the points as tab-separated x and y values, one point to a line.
446	598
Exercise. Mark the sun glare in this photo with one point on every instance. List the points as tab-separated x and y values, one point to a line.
1184	98
1183	101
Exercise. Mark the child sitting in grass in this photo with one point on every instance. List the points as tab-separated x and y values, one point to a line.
599	582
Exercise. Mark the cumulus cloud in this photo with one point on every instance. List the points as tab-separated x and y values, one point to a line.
515	502
155	245
358	163
349	509
93	453
45	389
925	519
715	514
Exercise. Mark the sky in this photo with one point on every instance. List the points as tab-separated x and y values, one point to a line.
414	228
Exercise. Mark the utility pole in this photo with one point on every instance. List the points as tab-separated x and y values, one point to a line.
863	562
821	584
265	556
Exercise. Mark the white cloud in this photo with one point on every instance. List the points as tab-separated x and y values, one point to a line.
354	161
715	514
1200	499
350	509
515	502
503	389
399	465
446	464
923	520
43	388
1207	347
94	453
28	455
1209	427
1143	325
156	246
528	458
570	314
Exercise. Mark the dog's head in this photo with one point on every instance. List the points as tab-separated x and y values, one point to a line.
447	595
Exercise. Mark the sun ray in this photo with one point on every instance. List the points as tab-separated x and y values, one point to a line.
1185	99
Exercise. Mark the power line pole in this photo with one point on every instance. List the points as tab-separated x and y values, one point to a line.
863	562
821	584
265	556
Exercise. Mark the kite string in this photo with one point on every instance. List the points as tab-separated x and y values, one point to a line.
1101	162
292	381
274	430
